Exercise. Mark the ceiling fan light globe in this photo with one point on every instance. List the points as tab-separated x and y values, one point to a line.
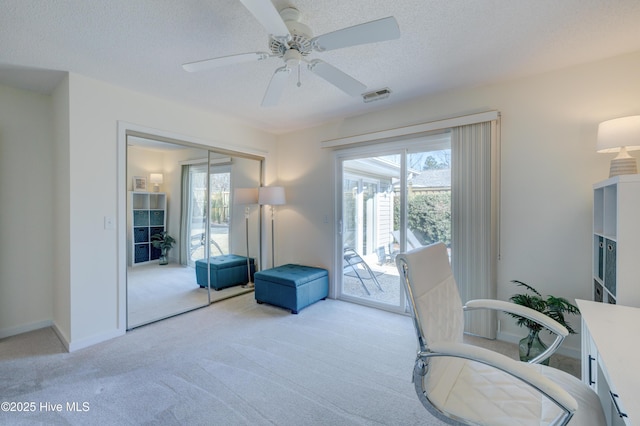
290	14
292	57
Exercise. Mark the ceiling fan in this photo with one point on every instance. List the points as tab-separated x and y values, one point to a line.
292	41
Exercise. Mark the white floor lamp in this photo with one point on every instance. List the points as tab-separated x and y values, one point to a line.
246	197
272	196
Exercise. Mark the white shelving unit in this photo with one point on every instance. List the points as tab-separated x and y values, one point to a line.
147	217
616	240
616	281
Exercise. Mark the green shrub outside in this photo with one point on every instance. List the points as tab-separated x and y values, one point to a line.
429	216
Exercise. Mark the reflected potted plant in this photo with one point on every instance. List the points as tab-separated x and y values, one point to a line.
164	242
552	306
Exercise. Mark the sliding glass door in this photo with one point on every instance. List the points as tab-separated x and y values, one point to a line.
220	190
195	204
391	202
218	210
369	198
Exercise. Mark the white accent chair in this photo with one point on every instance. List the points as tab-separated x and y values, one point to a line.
465	384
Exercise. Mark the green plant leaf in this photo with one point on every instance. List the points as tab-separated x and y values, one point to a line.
554	307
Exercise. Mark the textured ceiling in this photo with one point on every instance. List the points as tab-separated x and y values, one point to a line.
444	44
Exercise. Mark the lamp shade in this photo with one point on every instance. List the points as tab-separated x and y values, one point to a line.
245	196
156	178
271	195
615	134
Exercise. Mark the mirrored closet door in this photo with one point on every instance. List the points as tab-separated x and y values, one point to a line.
180	214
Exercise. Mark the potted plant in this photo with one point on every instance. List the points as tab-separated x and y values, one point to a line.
164	242
552	306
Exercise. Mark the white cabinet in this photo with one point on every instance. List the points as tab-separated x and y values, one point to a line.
608	357
147	216
616	240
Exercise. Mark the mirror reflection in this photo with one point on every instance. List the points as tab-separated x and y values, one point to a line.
180	218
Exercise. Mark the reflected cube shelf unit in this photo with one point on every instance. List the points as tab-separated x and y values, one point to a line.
147	217
616	240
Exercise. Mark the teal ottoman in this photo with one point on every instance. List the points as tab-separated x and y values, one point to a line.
225	271
291	286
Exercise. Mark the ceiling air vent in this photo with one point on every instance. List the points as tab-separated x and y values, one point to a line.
376	95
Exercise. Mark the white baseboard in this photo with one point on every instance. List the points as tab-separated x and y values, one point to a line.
69	346
61	336
24	328
563	350
78	344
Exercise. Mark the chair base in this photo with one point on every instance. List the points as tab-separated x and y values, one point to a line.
507	412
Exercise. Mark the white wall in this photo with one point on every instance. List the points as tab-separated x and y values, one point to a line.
142	162
26	222
61	231
58	179
549	125
549	163
95	109
245	173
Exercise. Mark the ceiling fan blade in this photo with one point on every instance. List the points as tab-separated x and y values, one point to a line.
369	32
225	60
267	14
276	86
333	75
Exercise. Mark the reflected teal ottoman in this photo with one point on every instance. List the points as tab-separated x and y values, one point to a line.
291	286
226	271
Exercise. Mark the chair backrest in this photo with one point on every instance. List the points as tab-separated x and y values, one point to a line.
433	294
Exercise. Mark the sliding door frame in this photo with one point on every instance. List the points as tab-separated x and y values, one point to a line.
403	148
380	140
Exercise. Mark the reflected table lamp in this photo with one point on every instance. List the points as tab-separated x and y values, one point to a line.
620	135
272	196
246	197
156	179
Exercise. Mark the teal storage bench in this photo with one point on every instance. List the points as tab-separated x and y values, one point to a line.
225	271
291	286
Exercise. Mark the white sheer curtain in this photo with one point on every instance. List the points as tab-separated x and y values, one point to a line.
474	207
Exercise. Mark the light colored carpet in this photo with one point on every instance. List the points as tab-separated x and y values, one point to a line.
232	363
157	291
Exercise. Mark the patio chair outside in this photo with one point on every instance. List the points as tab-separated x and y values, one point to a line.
362	271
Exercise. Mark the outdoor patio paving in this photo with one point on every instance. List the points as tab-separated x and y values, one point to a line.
387	276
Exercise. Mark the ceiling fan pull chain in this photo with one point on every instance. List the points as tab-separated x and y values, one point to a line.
299	84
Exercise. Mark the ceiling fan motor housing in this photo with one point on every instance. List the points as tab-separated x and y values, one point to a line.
301	35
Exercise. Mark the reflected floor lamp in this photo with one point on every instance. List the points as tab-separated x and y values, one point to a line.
620	135
272	196
246	197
